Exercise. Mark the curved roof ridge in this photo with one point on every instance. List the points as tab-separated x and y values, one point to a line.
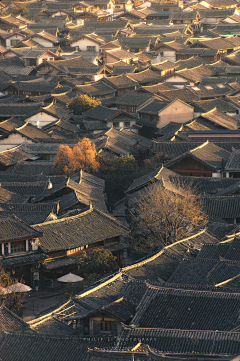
156	255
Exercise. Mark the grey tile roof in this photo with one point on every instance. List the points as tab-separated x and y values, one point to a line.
13	155
91	125
213	156
10	124
10	197
14	177
222	206
63	125
120	82
168	131
32	217
216	13
26	189
101	294
60	262
133	98
126	142
101	113
11	323
231	189
32	85
30	132
219	103
195	74
65	99
180	342
213	251
154	107
99	89
85	190
76	65
84	197
228	250
145	77
41	148
65	348
12	61
183	94
197	52
220	228
156	88
86	228
18	109
217	43
233	252
142	181
233	164
173	149
30	207
12	228
34	168
190	63
211	89
160	266
132	42
120	308
52	326
19	259
209	272
210	185
118	70
183	15
187	309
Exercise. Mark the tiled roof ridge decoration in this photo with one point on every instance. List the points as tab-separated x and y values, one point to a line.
223	283
200	146
189	292
130	327
89	210
44	317
23	126
120	273
32	233
210	111
82	214
18	146
49	105
151	258
193	69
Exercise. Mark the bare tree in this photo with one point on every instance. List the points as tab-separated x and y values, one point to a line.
13	300
166	212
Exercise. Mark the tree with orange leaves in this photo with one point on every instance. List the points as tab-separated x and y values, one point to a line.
81	156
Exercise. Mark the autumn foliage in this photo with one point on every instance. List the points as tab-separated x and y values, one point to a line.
82	103
81	156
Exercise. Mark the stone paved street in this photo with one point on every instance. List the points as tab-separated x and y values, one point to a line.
38	301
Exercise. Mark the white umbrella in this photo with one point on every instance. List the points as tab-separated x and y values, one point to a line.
18	287
70	277
3	291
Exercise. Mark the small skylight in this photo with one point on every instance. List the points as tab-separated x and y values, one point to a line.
221	86
195	88
208	87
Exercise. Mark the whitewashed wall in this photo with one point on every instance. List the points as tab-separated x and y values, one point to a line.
40	119
176	112
84	43
12	141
